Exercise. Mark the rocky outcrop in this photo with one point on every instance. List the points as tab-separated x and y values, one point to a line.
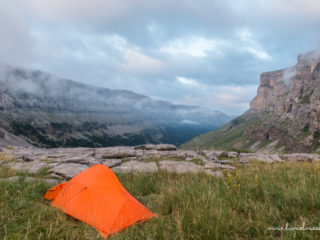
65	163
283	117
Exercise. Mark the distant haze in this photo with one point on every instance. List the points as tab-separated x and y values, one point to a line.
208	53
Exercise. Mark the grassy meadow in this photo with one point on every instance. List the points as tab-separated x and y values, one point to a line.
241	205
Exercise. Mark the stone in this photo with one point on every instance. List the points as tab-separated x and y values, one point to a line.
308	141
159	147
180	167
136	166
224	161
90	161
118	152
112	162
211	155
213	165
306	157
166	147
232	154
68	170
31	167
27	159
268	158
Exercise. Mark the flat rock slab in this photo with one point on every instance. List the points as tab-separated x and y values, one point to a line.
118	152
68	170
213	165
180	167
31	167
90	161
158	147
135	166
305	157
112	162
267	158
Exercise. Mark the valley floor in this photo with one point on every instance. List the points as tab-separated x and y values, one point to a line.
243	204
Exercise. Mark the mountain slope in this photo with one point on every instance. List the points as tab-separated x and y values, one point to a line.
49	111
284	116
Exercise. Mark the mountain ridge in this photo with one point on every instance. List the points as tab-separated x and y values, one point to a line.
50	111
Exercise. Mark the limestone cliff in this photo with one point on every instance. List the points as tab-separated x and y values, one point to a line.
284	116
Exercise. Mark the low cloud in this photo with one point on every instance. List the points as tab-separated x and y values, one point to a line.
207	53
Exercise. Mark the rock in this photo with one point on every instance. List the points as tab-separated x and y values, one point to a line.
301	157
135	166
90	161
30	179
118	152
159	147
31	167
150	154
112	162
189	154
308	141
68	170
212	165
166	147
176	154
268	158
217	174
145	147
232	154
180	167
27	159
224	161
211	155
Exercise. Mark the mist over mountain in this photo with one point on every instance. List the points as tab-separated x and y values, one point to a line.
50	111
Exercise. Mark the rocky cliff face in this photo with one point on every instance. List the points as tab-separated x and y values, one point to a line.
285	114
49	111
291	98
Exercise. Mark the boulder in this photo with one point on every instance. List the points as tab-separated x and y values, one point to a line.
180	167
232	154
27	159
135	166
68	170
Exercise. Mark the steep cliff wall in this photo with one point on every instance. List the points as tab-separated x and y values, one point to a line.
284	116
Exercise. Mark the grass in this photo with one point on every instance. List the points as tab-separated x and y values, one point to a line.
242	205
223	138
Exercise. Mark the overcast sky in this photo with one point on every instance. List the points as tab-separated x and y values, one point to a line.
206	52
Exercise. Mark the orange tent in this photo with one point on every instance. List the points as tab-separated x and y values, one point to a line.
96	196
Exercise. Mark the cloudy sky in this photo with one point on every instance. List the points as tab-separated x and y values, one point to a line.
206	52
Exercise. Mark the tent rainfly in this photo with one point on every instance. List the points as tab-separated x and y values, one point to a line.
96	197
